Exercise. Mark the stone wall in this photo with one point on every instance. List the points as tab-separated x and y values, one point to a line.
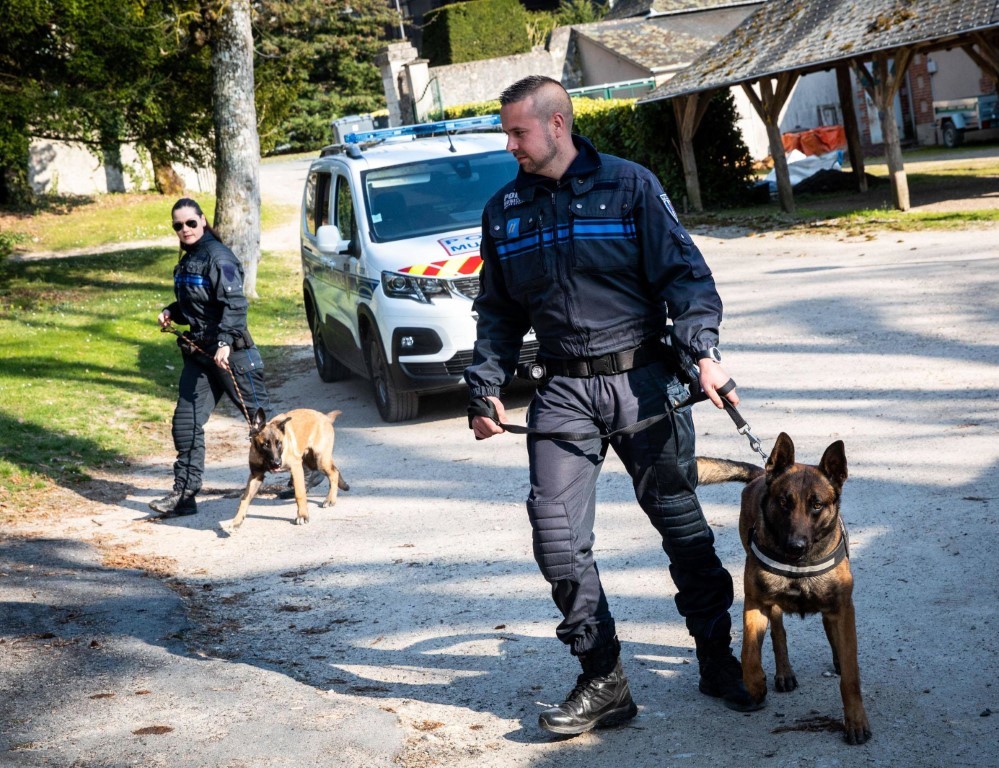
414	90
56	167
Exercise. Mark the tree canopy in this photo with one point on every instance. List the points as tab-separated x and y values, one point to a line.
105	72
315	62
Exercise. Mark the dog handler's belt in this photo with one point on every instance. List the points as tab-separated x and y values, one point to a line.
605	365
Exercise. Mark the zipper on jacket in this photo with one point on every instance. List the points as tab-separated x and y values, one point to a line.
562	265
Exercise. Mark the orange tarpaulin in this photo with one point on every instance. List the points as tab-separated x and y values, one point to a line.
817	141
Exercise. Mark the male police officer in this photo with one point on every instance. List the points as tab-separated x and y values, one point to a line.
587	249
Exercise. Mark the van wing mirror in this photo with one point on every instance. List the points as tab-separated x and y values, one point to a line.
329	240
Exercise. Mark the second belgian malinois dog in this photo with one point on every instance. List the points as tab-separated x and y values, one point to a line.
797	561
298	440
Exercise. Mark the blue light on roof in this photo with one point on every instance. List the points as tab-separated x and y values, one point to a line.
423	129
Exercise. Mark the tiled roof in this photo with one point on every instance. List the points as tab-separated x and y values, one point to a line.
624	9
808	35
663	42
646	43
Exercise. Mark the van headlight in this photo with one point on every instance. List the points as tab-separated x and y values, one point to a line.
400	285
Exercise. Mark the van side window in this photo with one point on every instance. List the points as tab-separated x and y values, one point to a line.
345	219
317	201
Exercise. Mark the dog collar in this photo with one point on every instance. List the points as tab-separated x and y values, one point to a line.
773	565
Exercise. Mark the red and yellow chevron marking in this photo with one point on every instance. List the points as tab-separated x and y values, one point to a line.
448	268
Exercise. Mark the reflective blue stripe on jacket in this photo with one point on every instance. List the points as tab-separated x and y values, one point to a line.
595	263
208	284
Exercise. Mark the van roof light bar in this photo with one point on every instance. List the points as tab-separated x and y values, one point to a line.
423	129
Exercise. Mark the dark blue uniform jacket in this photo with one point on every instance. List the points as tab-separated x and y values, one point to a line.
208	284
595	263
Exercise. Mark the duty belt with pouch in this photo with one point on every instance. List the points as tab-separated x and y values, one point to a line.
604	365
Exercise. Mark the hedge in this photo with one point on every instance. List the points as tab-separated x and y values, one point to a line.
479	29
647	134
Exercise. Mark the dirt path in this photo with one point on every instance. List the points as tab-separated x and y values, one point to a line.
409	625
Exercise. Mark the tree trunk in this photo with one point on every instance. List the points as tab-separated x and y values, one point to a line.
111	159
237	145
167	180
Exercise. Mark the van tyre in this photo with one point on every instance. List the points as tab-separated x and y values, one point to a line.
393	405
330	369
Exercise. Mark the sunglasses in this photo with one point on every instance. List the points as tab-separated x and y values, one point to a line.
190	224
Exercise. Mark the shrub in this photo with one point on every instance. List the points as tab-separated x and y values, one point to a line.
479	29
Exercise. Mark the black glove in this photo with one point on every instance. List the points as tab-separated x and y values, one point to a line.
481	406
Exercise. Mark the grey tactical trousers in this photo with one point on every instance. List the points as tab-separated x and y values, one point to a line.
661	463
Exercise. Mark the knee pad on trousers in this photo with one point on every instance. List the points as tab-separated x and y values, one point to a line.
552	539
687	538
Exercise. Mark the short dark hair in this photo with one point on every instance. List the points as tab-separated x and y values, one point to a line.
550	96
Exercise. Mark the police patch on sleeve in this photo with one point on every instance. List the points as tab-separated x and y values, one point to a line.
229	270
669	207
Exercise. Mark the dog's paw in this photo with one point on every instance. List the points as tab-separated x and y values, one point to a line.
301	520
857	731
328	503
785	683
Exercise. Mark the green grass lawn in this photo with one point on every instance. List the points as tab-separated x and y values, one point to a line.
86	377
84	221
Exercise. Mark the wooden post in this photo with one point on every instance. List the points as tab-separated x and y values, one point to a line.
768	105
689	111
845	87
986	56
883	84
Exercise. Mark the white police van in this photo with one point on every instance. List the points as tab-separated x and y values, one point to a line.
391	225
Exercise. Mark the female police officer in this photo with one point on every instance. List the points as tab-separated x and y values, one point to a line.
219	355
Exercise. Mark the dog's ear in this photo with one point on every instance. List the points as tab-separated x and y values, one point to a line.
280	424
259	420
332	415
782	455
833	464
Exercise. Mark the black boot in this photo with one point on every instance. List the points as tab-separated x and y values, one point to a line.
600	699
721	674
312	479
176	504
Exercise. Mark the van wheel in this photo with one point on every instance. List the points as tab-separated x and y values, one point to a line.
393	405
952	136
330	369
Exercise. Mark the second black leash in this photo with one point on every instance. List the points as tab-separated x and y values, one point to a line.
489	411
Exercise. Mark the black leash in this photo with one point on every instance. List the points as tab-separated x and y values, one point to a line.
742	425
485	407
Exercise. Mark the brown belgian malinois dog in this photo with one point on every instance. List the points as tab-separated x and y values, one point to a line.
298	440
797	561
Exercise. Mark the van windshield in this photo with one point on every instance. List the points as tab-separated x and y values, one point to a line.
433	196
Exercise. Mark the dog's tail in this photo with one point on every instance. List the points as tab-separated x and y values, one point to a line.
332	415
711	471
